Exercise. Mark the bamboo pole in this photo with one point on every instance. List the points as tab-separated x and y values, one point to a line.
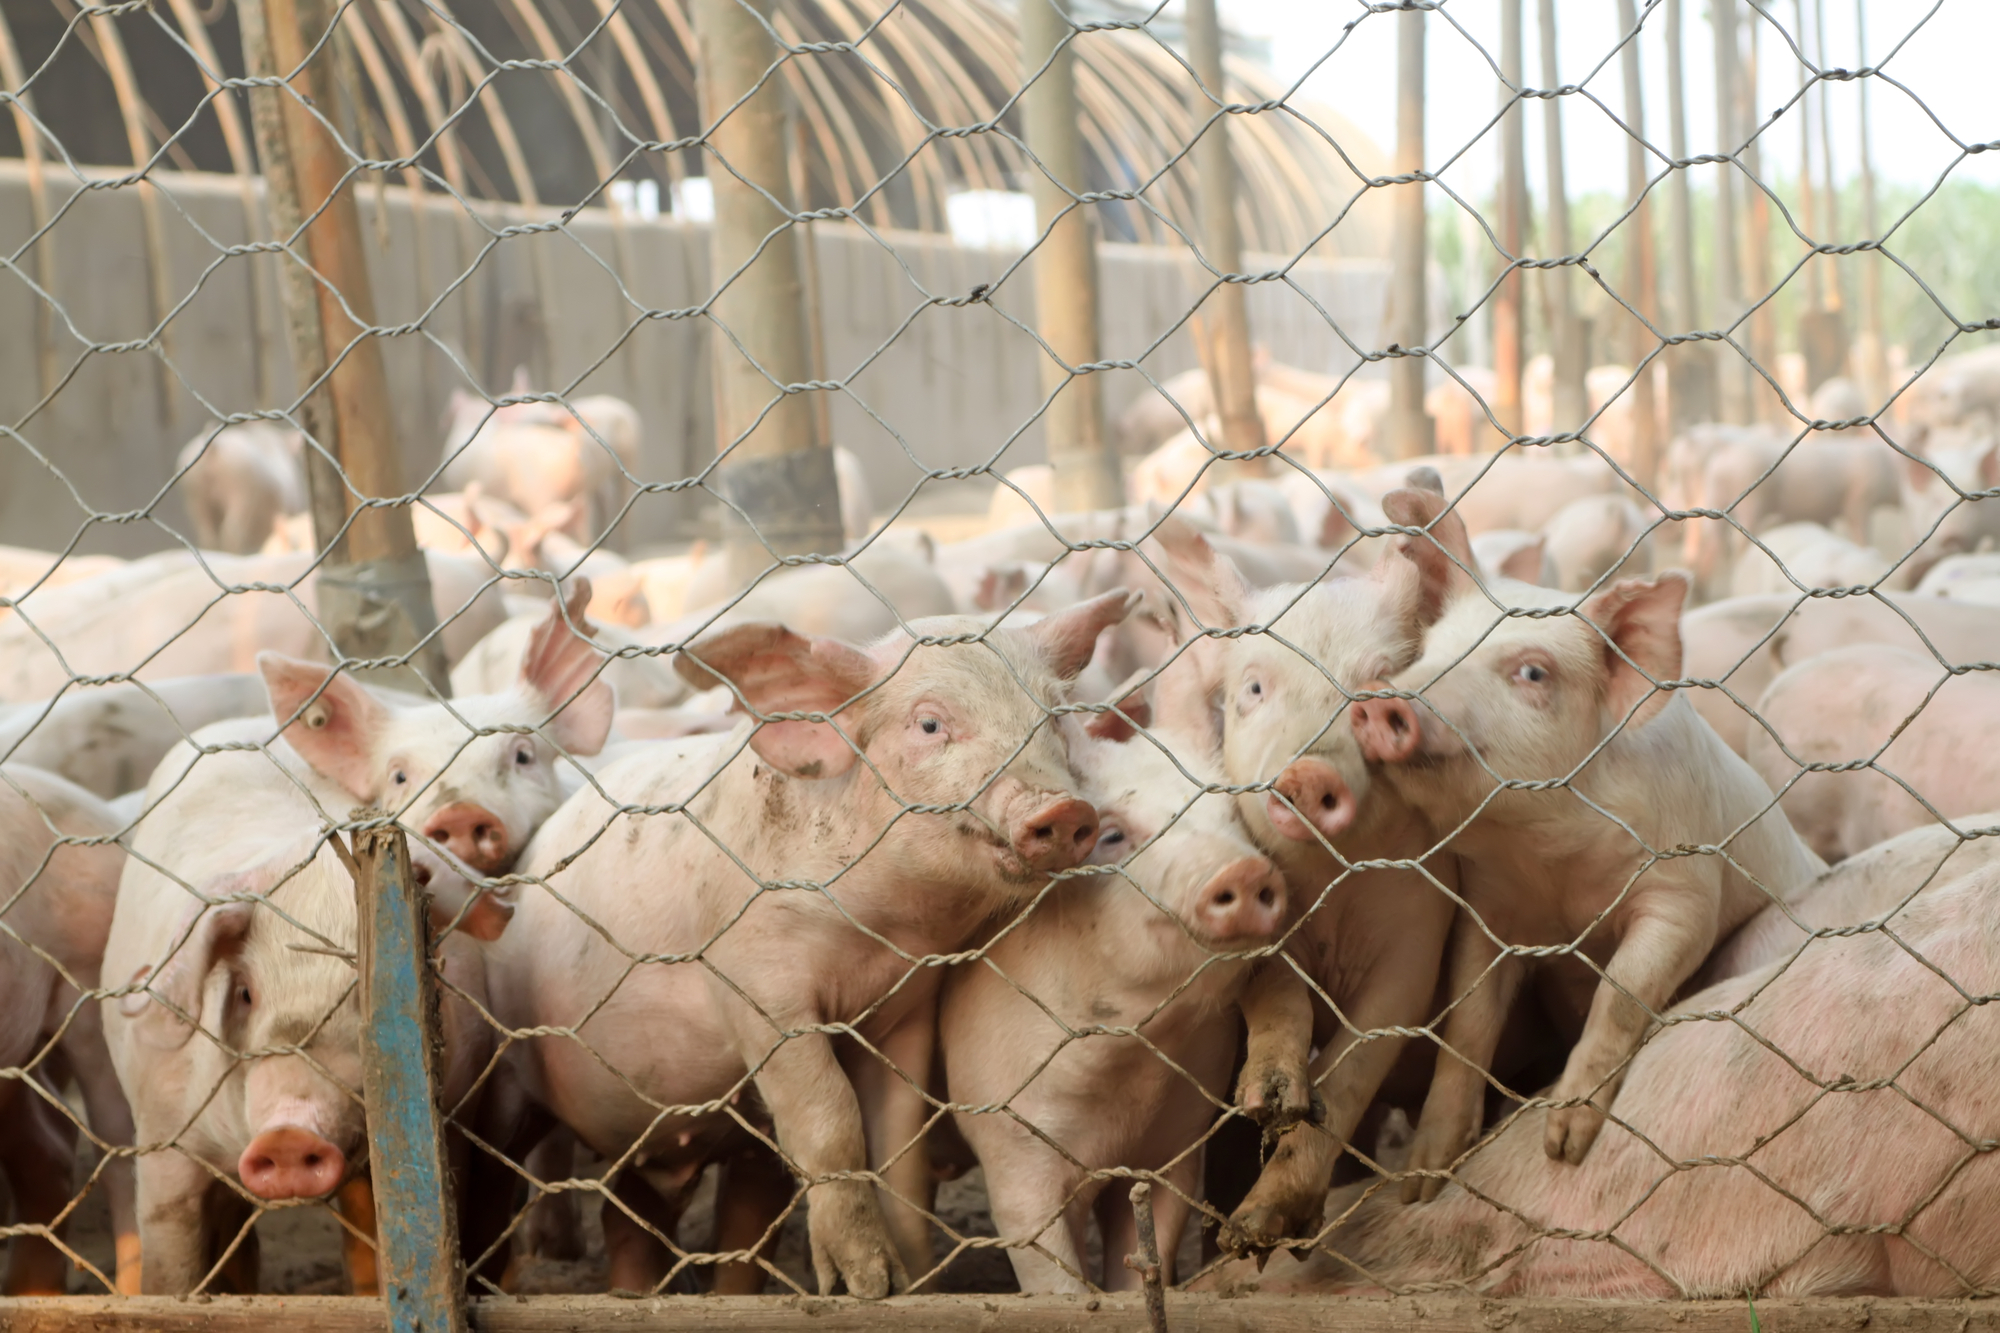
1086	475
1690	366
1510	323
1874	374
1232	370
1732	380
1641	284
1571	402
1757	253
373	594
776	474
1411	431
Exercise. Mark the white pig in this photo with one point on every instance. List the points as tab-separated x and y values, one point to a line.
1582	794
1105	1017
961	806
109	739
58	886
219	917
239	480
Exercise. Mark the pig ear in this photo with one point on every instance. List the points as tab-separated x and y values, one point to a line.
333	723
1430	568
1128	715
202	936
775	670
1640	620
1068	639
1209	581
560	669
1000	586
1525	564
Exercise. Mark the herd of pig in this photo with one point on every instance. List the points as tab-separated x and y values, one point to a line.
1410	815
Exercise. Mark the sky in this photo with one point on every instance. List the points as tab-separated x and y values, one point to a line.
1943	51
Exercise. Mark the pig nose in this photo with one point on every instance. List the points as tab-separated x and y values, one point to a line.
291	1163
1058	836
1244	902
1321	804
472	833
1386	728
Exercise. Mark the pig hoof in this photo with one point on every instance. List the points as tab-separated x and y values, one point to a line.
1571	1131
1277	1098
850	1244
1257	1229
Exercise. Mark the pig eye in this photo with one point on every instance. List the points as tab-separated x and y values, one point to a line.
243	996
399	777
524	756
930	725
1532	673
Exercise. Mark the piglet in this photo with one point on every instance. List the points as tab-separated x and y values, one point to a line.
876	806
1596	817
1104	1020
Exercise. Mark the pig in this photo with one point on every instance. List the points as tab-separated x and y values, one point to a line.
1874	884
1743	643
109	739
22	571
1760	482
1572	700
1948	509
641	674
1125	1048
882	584
1508	553
229	922
1370	940
935	796
857	504
1807	555
1594	538
1812	1144
178	615
58	881
1927	738
1964	578
540	453
239	480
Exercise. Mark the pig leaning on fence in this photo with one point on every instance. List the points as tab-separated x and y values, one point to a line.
1150	951
233	916
1591	862
1816	1137
1371	940
55	911
785	886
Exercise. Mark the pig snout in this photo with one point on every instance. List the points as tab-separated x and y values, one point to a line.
472	833
1387	729
1245	902
291	1162
1056	837
1320	803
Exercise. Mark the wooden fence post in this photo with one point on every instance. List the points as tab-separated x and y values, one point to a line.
373	593
1086	476
1641	288
1231	367
1411	432
1510	325
416	1218
778	472
1691	365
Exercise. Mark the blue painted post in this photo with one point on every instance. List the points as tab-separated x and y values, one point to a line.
416	1222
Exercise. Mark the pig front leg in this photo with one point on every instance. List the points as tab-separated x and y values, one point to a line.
1484	983
1670	932
1289	1197
111	1121
173	1221
1276	1088
893	1114
819	1125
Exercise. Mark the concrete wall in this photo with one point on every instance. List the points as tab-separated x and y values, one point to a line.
612	308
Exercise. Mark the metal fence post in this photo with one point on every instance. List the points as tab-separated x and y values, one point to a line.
777	472
1086	476
1232	370
374	595
1411	433
416	1220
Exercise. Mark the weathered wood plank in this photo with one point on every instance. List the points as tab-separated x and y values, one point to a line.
1006	1314
416	1218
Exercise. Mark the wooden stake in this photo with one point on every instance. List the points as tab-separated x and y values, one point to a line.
1146	1263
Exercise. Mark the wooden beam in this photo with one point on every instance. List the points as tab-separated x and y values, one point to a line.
1123	1313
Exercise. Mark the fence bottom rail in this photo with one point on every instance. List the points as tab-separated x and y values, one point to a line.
1001	1313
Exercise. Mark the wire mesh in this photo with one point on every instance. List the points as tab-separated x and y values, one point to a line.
1408	861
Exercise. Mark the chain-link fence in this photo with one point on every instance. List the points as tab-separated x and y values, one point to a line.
702	647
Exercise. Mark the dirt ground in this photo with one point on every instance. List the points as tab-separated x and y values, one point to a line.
300	1245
